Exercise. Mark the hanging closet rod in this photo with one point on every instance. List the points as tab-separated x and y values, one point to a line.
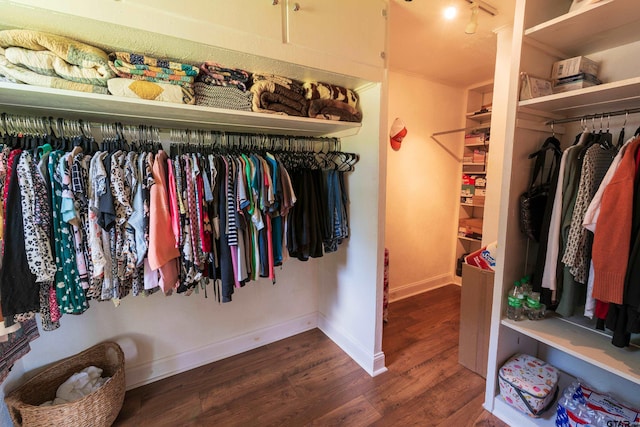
594	116
32	124
459	130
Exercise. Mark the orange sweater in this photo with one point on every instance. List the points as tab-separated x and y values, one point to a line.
162	248
612	239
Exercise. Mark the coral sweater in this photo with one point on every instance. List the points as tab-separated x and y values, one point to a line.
612	240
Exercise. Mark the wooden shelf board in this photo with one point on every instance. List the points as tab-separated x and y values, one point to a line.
601	98
478	144
582	343
610	22
472	164
25	99
469	239
471	204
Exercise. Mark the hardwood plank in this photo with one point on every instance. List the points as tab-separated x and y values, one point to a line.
355	413
308	380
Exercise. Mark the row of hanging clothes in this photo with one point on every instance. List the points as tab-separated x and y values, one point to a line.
86	221
588	258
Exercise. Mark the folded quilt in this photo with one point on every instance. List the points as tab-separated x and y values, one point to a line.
228	97
269	97
317	90
48	63
288	83
214	73
151	91
140	60
330	109
24	75
82	55
127	72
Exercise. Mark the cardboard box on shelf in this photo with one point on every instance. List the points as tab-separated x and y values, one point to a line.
572	66
479	156
534	87
475	138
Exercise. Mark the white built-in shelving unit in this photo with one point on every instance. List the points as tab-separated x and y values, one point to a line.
544	32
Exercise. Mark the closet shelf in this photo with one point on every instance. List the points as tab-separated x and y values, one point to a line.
621	94
548	419
582	343
25	99
478	144
480	118
469	239
610	23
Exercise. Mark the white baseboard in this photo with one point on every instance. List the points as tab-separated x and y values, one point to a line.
162	368
372	364
411	289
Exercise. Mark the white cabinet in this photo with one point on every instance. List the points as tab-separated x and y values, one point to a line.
335	26
543	33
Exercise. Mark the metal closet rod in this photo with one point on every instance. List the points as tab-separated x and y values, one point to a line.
25	123
594	116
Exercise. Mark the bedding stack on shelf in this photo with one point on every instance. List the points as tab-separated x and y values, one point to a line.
49	60
144	77
331	102
278	95
221	87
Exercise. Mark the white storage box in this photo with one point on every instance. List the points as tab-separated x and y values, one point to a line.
528	384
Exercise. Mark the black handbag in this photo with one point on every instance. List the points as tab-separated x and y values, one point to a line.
534	201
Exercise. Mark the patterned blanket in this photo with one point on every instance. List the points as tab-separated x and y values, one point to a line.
215	74
330	109
153	70
286	82
24	75
269	97
317	90
228	97
151	91
85	62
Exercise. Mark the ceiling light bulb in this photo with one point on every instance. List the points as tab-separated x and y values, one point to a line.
450	12
473	22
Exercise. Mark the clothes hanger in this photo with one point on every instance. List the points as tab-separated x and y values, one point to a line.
621	135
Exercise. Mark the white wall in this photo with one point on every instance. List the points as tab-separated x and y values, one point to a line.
423	184
350	281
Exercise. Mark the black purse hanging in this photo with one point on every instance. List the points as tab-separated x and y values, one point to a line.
534	201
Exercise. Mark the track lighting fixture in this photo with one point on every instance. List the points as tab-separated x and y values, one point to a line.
473	22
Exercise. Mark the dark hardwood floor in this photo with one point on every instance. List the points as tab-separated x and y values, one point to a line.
308	380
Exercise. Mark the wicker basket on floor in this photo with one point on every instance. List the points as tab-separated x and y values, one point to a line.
99	408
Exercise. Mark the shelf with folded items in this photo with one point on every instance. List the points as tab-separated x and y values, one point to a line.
582	343
25	99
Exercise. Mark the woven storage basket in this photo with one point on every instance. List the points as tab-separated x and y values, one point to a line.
99	408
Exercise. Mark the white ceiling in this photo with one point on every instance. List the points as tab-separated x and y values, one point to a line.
423	43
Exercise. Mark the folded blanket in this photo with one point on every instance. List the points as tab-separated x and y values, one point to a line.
214	73
317	90
137	59
73	52
151	91
24	75
331	109
48	63
129	72
228	97
288	83
269	97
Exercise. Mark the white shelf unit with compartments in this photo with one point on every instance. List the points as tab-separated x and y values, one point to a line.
543	33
